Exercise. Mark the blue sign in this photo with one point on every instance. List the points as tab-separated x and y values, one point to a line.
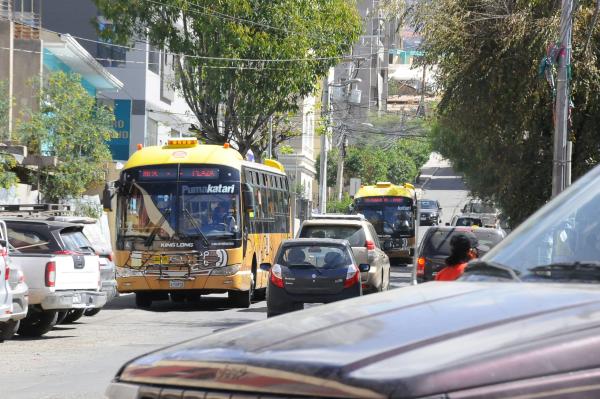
119	146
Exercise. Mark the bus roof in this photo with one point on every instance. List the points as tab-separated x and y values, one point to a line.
383	189
191	152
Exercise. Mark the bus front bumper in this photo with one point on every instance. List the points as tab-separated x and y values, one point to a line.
239	281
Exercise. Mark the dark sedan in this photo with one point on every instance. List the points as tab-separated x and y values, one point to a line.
311	271
435	247
461	339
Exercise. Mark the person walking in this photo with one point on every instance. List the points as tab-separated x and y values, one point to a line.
463	248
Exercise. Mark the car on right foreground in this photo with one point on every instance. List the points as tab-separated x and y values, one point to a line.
524	321
435	247
309	270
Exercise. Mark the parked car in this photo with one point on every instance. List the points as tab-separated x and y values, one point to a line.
20	299
60	267
435	248
524	322
310	270
100	241
485	210
7	324
430	212
363	239
465	221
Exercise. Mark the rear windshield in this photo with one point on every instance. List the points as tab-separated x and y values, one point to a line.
319	256
468	222
76	241
354	234
30	242
438	243
482	208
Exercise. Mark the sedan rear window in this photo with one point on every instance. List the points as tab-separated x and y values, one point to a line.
354	234
322	257
438	243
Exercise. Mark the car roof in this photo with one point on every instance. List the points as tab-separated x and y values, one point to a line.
333	222
41	222
315	241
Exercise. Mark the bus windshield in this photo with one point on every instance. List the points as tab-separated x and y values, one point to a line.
169	210
389	215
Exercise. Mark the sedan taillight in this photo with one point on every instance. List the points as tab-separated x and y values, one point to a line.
352	276
421	266
276	276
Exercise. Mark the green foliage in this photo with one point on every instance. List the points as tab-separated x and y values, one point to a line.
285	149
398	164
71	126
310	32
342	206
495	117
4	108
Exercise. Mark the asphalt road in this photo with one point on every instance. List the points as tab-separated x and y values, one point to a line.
80	359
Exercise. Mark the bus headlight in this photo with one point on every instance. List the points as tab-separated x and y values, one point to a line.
225	270
127	272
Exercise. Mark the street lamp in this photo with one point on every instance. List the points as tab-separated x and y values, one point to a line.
323	164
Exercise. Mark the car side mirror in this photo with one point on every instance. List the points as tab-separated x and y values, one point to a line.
364	267
265	266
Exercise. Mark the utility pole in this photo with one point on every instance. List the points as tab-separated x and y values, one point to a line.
325	108
561	166
340	166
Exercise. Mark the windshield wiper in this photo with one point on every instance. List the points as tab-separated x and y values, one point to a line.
154	232
587	266
489	266
195	224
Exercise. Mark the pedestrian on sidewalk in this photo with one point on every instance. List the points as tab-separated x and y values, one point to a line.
463	248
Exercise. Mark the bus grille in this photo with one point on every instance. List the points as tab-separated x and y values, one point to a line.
174	265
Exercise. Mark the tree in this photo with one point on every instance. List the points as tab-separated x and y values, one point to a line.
7	177
73	127
228	51
495	117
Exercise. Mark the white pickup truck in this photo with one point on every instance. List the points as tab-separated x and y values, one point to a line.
60	267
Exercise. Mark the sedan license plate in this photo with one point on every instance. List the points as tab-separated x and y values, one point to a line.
176	284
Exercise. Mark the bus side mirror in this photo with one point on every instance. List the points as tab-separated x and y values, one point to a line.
107	196
248	198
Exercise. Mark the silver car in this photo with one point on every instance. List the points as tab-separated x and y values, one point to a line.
361	235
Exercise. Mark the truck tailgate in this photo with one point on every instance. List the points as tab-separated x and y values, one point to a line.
77	272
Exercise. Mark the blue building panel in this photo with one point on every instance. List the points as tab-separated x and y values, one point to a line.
52	63
119	146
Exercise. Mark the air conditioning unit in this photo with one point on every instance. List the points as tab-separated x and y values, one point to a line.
355	96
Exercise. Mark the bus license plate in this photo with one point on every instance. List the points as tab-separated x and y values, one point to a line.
176	284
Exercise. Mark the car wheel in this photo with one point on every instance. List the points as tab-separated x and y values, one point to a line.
92	312
73	315
381	287
8	329
61	316
142	300
37	323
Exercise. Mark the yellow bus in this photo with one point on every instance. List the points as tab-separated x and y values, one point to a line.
195	219
391	209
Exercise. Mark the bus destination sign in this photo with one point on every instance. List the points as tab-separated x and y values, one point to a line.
195	173
386	200
158	174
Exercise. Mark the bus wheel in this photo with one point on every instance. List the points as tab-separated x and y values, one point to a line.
142	300
242	299
177	297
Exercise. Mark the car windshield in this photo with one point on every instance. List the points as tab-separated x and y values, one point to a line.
157	209
354	234
437	243
316	256
564	232
425	204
